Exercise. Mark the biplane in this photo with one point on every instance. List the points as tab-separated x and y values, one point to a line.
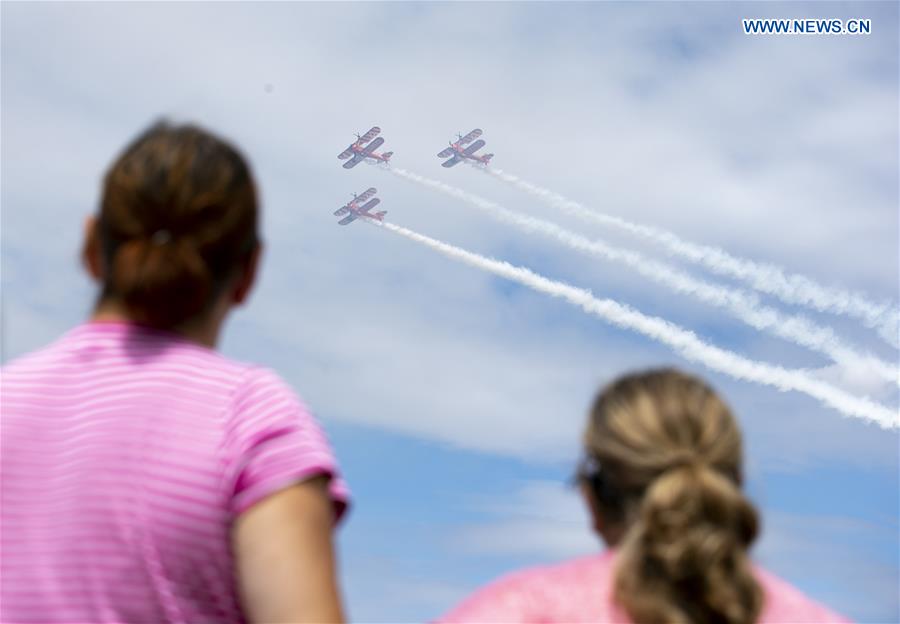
364	147
458	152
354	210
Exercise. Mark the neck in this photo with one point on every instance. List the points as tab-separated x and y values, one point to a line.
202	331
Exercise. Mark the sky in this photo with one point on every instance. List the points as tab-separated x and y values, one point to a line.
455	400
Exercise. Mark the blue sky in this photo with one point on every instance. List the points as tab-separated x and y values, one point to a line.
454	400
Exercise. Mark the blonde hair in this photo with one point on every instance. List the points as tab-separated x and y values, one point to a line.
668	456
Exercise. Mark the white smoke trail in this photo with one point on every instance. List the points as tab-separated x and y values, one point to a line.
681	340
741	304
767	278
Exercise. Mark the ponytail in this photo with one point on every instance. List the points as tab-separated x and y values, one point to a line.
685	558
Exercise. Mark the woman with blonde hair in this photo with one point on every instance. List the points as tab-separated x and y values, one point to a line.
662	477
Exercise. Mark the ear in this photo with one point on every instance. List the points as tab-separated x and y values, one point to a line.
91	254
247	278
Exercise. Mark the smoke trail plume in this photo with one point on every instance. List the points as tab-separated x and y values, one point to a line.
681	340
767	278
741	304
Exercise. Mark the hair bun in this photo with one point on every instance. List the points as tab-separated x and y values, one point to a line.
161	283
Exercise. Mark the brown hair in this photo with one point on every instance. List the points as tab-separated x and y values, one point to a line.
178	217
666	474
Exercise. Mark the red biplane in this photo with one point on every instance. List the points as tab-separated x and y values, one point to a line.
354	210
360	151
459	152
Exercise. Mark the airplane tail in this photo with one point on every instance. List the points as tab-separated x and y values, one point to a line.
379	215
387	155
486	158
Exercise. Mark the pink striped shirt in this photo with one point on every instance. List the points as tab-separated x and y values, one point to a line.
126	455
581	590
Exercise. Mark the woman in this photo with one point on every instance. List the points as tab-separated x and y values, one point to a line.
145	477
662	479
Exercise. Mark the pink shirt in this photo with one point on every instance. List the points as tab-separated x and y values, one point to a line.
126	455
581	591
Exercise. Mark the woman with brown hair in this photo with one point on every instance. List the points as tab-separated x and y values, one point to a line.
662	477
145	477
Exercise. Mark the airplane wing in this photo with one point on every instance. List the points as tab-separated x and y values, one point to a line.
471	136
371	134
350	218
346	153
369	205
341	211
357	158
446	153
371	147
451	162
365	195
477	145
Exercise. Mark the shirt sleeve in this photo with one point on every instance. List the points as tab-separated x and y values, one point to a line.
273	442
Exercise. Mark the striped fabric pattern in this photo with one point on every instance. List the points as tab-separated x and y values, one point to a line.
127	453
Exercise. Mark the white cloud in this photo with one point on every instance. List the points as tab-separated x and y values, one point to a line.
728	146
781	149
542	520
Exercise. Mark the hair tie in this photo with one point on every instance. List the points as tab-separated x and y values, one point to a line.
161	237
684	459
